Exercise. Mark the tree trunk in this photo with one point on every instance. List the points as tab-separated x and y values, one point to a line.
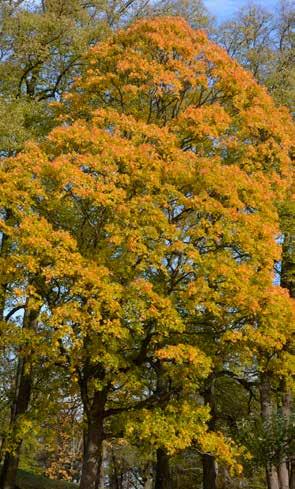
163	475
148	480
19	408
284	475
93	450
9	469
209	472
148	484
286	412
101	484
272	477
22	396
114	476
292	473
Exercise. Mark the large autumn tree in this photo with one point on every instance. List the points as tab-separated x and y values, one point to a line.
141	238
159	93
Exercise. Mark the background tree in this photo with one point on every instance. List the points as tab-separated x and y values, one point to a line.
263	42
42	48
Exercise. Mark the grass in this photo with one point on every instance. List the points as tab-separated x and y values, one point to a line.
27	480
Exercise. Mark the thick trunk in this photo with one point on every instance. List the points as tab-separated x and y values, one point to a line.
292	473
163	475
286	412
284	476
93	456
9	469
19	408
272	477
209	472
93	450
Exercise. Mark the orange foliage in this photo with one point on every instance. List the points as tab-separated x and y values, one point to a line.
150	219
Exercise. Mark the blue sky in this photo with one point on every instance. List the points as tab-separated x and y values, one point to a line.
223	9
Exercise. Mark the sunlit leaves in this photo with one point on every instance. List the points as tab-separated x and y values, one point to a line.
144	229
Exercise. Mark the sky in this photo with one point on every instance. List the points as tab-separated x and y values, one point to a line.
223	9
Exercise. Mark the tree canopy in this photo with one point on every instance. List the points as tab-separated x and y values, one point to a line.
138	244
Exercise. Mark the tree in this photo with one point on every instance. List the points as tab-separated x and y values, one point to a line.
157	105
24	337
152	222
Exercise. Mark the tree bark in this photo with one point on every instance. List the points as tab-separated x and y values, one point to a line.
114	475
209	472
148	484
292	473
101	484
20	407
208	461
163	475
93	450
23	389
272	477
9	469
149	476
284	475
